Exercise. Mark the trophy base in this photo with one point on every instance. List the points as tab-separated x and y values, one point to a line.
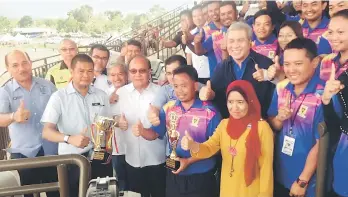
101	156
172	164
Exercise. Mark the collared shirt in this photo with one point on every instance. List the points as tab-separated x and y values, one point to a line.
268	48
72	113
326	65
213	43
239	70
26	137
307	114
118	144
200	63
59	75
166	94
317	32
200	121
101	82
135	105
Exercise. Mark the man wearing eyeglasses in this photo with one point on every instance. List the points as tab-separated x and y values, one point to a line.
59	74
100	56
144	159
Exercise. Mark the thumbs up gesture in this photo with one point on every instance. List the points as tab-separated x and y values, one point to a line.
206	93
187	141
198	38
285	111
153	115
124	50
223	43
273	69
258	74
123	123
21	115
137	129
332	86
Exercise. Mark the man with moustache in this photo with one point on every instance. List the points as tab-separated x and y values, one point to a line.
22	103
100	56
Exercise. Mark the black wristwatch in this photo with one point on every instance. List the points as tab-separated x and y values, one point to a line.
302	183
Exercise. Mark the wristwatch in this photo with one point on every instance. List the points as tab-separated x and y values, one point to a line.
66	138
302	183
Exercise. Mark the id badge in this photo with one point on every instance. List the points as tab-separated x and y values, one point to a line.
288	145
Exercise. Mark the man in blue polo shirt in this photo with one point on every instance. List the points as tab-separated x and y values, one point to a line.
187	114
315	24
296	111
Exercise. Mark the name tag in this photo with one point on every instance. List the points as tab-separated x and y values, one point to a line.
97	104
288	145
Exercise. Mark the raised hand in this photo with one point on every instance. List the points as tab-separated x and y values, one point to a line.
153	115
137	129
223	43
332	86
273	70
285	111
22	115
258	74
186	141
206	93
123	123
198	38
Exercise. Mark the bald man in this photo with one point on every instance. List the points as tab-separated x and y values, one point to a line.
22	102
59	74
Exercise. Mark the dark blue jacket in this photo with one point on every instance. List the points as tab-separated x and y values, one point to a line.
224	75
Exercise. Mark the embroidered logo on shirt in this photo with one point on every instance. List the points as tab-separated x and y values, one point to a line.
195	121
271	54
302	112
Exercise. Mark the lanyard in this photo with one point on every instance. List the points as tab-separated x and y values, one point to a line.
292	119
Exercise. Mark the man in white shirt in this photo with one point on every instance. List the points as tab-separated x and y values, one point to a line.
69	115
117	75
100	56
144	159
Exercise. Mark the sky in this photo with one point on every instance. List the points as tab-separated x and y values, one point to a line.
59	8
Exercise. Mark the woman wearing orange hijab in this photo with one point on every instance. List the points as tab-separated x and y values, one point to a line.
246	144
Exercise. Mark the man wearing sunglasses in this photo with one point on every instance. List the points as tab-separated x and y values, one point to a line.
144	159
59	74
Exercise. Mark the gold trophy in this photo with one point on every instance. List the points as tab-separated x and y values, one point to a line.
172	162
103	127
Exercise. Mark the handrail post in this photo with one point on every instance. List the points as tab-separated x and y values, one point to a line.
63	180
322	167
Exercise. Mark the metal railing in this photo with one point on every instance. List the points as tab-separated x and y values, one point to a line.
39	162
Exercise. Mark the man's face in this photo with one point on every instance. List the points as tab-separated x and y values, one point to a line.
336	6
100	59
238	44
338	34
170	69
82	75
139	72
298	67
205	14
214	12
19	66
132	51
197	17
313	10
297	4
186	21
262	4
263	27
184	87
227	15
117	76
68	50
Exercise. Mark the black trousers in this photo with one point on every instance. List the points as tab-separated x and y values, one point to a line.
37	175
98	170
195	185
148	181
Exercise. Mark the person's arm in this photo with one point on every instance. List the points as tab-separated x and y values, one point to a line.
189	58
51	134
155	132
173	43
266	160
6	119
273	112
149	134
311	163
211	146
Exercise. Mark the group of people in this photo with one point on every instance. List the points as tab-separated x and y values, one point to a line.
247	105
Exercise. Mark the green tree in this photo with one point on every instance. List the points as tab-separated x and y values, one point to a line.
26	21
5	25
156	11
82	14
113	14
